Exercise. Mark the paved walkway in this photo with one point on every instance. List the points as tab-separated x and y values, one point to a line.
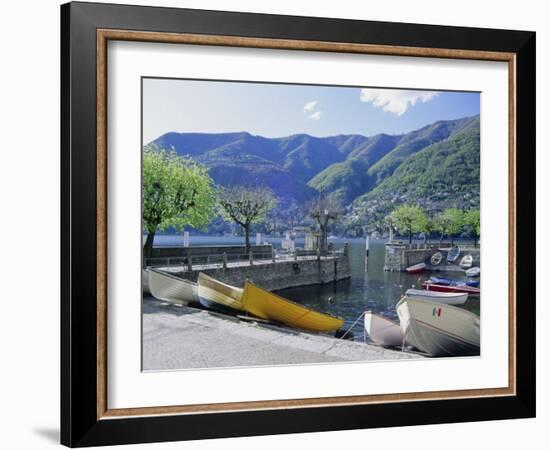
180	337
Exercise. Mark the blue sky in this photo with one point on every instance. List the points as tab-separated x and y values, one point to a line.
275	110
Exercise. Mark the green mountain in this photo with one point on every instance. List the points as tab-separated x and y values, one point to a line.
439	176
433	166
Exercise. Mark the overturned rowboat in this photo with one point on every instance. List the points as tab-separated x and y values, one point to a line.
269	306
466	262
453	254
436	258
167	287
473	272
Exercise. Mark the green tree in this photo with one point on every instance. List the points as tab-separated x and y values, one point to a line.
176	192
246	206
472	224
429	228
409	219
449	222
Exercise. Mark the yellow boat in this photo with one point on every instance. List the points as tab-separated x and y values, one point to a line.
268	306
214	294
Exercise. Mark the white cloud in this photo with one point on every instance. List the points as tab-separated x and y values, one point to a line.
394	100
310	106
316	115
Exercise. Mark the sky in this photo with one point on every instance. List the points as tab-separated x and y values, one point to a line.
277	110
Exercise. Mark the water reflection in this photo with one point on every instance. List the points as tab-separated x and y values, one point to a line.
373	289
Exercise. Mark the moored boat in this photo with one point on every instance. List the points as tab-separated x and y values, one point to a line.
382	330
449	282
214	294
269	306
449	298
168	287
473	272
145	282
466	262
416	268
438	329
464	288
436	259
453	254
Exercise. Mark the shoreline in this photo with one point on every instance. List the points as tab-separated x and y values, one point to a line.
182	337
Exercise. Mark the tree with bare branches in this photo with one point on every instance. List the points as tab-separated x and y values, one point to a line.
246	206
324	210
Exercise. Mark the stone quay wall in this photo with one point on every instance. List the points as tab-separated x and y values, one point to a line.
281	274
400	256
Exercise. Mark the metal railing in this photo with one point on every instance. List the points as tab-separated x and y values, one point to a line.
213	261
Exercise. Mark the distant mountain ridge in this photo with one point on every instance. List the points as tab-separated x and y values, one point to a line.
356	169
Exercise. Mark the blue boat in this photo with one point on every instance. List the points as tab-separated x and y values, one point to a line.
448	282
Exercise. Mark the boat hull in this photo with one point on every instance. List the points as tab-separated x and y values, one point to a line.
417	268
145	288
473	272
450	288
438	329
269	306
383	331
172	289
448	298
214	294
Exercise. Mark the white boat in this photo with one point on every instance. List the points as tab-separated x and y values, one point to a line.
436	259
466	262
449	298
145	282
416	268
473	272
382	330
170	288
438	329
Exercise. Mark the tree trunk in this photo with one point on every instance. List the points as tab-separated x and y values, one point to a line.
425	238
148	247
452	240
441	239
247	237
410	237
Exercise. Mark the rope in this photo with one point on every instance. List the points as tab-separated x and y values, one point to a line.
352	325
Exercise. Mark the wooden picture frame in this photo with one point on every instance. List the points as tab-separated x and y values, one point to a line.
85	417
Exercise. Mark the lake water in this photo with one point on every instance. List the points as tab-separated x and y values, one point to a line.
373	289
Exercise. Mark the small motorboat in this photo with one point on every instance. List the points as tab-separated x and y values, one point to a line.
464	288
448	298
466	262
453	254
473	272
168	287
436	259
269	306
417	268
382	330
214	294
438	329
449	282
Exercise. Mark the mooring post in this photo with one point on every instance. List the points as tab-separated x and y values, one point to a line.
224	261
190	263
367	244
273	255
251	258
